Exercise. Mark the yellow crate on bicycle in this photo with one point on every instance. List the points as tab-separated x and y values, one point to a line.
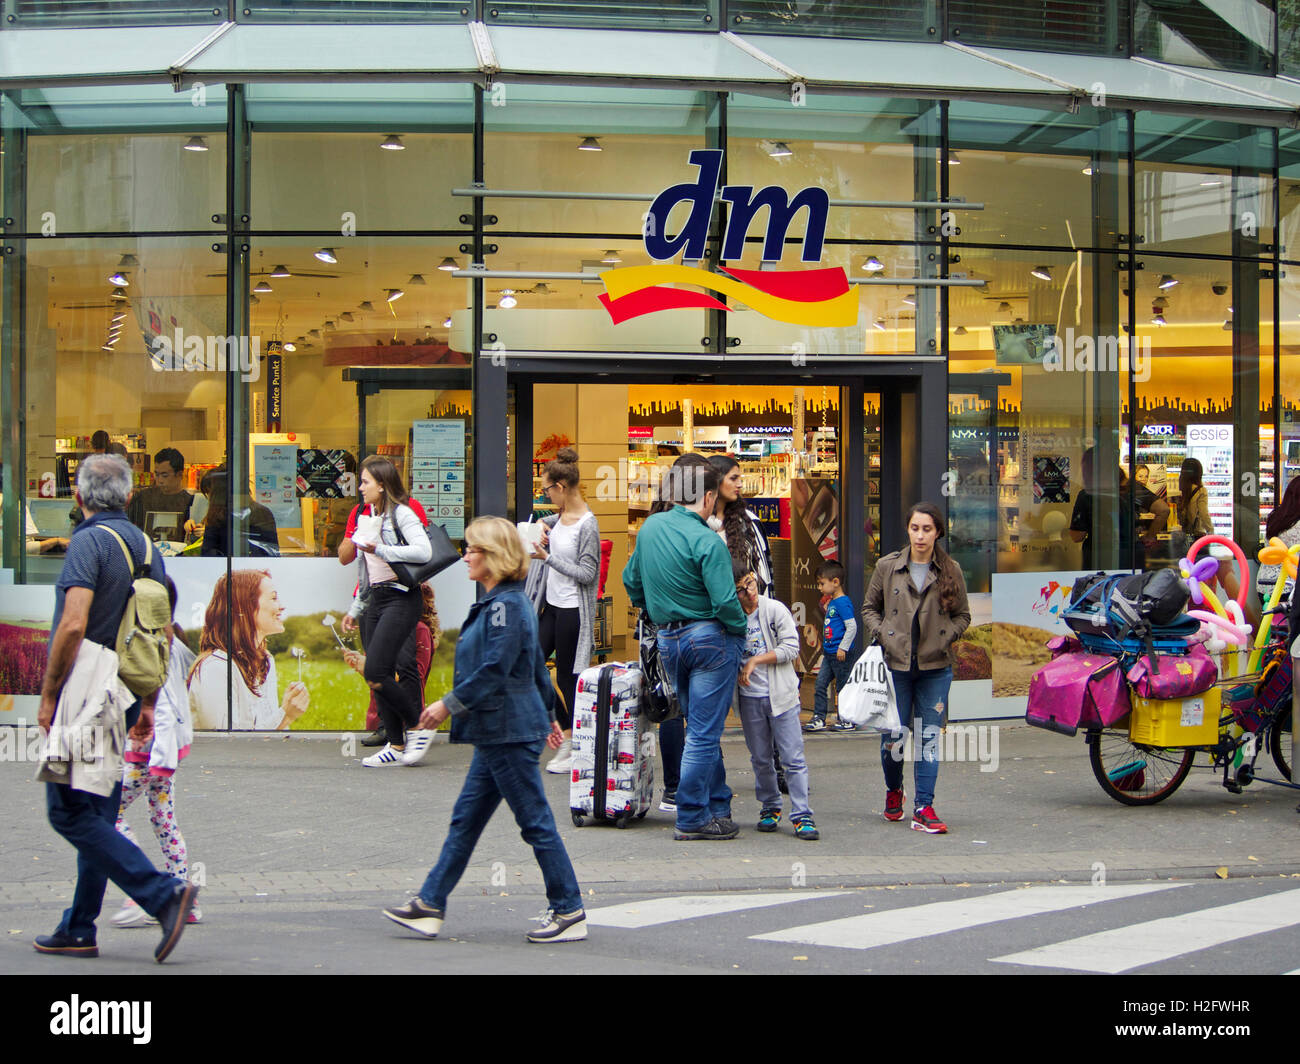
1177	722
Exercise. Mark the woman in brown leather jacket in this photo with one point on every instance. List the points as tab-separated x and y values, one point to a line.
916	608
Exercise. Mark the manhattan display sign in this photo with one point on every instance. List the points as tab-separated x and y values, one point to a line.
820	298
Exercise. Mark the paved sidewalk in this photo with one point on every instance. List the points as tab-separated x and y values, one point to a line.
276	819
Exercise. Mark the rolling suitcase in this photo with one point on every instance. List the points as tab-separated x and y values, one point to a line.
613	772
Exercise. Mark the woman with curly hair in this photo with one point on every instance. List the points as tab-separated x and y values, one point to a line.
254	613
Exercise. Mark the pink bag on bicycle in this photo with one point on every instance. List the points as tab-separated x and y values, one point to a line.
1175	675
1077	691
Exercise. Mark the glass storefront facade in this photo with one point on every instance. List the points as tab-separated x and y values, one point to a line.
242	266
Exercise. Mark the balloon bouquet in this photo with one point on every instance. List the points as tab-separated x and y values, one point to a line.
1225	624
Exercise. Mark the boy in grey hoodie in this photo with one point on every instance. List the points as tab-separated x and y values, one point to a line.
767	697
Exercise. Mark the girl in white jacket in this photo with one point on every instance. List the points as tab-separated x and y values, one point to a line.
151	770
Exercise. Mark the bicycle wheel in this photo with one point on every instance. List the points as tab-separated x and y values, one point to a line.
1136	775
1279	737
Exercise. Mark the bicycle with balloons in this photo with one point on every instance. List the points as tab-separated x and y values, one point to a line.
1251	699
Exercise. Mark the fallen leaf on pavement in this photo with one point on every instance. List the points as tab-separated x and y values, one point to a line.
1222	873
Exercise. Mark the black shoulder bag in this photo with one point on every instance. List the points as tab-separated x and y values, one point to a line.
445	555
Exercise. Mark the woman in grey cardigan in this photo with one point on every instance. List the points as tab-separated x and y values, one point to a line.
563	589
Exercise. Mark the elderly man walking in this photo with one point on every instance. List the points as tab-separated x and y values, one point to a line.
90	599
680	574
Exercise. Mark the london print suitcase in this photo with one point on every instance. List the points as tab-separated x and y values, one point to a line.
613	775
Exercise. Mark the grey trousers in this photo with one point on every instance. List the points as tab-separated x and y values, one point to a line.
761	729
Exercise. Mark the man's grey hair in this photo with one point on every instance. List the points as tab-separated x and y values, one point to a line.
104	482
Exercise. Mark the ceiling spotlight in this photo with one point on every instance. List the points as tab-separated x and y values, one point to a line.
910	299
314	332
417	278
1210	181
196	144
262	288
1004	307
959	331
507	300
447	322
118	279
952	158
346	316
1088	170
1227	325
290	346
1042	273
118	293
541	288
1018	321
325	255
253	301
780	150
393	142
879	323
1160	302
118	316
873	265
108	346
590	144
328	326
367	305
610	258
1219	288
281	271
394	294
128	262
1159	319
448	264
1167	281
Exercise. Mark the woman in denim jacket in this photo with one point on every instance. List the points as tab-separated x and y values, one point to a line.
502	702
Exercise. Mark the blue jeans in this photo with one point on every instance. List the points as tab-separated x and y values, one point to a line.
704	661
832	669
89	822
508	771
923	693
762	732
672	740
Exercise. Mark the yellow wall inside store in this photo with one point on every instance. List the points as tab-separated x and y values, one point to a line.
594	416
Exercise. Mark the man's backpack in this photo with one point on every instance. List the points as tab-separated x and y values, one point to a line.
144	635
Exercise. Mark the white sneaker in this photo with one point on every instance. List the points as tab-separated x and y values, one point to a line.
195	916
418	744
563	759
386	756
131	915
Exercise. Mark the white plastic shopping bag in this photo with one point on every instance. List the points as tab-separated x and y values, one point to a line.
868	698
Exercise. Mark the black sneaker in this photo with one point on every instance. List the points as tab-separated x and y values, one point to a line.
420	917
713	831
669	802
174	916
376	738
65	945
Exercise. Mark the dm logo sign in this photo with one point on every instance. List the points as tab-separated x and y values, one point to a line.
801	297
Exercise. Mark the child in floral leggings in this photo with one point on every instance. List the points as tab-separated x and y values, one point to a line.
151	770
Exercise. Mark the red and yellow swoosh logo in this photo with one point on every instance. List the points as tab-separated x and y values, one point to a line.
820	297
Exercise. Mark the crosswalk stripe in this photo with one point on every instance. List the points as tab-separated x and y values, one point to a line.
1136	945
666	910
921	921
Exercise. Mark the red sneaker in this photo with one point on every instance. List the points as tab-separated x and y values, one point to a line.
894	805
927	820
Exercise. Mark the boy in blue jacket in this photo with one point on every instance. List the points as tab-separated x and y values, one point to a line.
838	633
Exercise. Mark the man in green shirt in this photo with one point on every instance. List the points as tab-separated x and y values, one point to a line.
680	574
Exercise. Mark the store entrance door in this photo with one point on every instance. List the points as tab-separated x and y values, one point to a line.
828	465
